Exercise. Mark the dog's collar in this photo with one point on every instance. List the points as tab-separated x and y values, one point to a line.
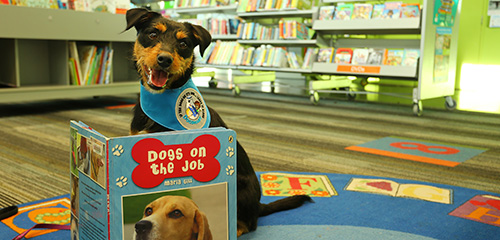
176	109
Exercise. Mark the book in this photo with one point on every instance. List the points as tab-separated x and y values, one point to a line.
343	55
410	10
362	11
287	184
326	12
344	11
113	179
325	55
309	58
108	6
411	57
73	53
394	189
394	57
378	10
376	56
392	10
359	56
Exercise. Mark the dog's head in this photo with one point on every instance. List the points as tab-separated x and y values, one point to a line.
172	217
164	48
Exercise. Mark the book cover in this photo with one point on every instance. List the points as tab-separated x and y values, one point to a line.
392	10
285	184
326	12
113	179
362	11
394	189
360	56
411	57
376	56
410	10
344	11
394	57
325	55
309	58
108	6
378	10
343	55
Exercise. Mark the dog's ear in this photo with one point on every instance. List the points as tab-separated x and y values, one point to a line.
137	17
201	226
201	35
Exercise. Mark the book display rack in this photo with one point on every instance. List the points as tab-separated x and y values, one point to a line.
35	53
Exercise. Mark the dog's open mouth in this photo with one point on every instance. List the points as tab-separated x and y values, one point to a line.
156	78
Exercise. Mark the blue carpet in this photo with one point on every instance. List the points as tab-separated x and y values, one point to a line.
358	214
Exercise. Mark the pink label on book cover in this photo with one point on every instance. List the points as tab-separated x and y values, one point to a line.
158	161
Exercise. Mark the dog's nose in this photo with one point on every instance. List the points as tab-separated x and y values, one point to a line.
143	226
164	60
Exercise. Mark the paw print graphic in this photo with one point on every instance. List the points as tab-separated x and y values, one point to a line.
117	150
121	181
229	151
229	170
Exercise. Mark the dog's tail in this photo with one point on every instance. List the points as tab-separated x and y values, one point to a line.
283	204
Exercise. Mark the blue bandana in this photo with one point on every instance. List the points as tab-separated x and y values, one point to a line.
176	109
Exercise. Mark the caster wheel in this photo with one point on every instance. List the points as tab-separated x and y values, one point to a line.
450	103
236	91
417	109
212	84
351	96
314	98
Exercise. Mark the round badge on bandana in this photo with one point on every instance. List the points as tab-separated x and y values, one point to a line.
191	111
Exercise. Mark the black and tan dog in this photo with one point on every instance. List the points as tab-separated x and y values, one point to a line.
164	55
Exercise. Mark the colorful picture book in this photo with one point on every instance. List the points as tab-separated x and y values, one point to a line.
410	10
286	184
344	11
411	57
392	10
114	179
378	11
376	56
362	11
394	57
394	189
343	55
325	55
360	56
326	12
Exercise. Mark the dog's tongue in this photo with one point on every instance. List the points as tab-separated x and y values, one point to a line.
158	78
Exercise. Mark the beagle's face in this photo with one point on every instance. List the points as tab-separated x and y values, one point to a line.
172	217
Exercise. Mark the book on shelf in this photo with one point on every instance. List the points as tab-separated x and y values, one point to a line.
378	11
108	6
294	60
394	57
343	55
326	12
292	29
392	10
344	11
411	57
90	64
362	11
376	56
325	55
410	10
360	56
309	57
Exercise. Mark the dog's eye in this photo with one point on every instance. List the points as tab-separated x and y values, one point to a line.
148	211
183	44
175	214
153	35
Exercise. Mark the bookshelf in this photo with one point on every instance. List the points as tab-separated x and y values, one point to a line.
405	33
34	63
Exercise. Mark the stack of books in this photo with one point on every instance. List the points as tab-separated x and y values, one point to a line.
388	10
